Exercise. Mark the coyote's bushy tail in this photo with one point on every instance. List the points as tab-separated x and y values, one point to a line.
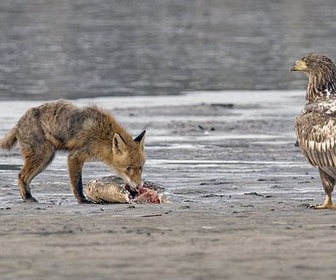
9	140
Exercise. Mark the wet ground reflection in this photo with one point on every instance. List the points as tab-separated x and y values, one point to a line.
193	150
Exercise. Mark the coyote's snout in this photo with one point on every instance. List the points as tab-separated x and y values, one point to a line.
86	132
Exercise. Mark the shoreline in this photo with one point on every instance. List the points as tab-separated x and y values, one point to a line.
241	190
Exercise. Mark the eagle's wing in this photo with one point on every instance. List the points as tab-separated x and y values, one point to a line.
316	133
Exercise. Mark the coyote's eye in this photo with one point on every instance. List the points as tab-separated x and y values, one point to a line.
140	168
128	169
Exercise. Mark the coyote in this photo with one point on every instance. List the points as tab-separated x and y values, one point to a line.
87	133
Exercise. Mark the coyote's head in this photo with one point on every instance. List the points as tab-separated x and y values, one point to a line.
129	159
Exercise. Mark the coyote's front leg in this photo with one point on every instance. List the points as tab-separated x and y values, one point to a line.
75	166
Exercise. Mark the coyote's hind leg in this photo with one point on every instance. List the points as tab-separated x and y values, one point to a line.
35	161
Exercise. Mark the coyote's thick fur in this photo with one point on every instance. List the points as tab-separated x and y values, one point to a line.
85	132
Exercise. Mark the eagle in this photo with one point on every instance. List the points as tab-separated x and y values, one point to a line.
315	127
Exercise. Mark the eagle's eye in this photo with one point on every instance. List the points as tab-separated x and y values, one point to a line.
305	60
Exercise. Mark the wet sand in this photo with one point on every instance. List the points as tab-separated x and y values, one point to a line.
239	190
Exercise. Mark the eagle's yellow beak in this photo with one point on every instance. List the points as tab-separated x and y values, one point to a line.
299	65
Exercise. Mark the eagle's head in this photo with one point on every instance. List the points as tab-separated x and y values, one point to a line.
321	72
314	64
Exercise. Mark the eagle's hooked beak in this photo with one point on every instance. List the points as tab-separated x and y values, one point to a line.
299	65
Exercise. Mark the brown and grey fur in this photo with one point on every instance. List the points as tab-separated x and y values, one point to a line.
87	133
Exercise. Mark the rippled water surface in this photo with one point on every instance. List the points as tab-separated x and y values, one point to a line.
80	48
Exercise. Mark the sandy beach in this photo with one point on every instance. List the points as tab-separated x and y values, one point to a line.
239	191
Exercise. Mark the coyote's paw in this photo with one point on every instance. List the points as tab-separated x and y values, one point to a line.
84	201
30	199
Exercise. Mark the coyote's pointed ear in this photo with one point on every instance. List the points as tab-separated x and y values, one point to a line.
141	139
118	144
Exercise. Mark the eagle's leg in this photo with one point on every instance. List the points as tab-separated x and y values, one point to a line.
328	183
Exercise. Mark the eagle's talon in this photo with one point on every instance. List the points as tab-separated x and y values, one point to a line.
323	206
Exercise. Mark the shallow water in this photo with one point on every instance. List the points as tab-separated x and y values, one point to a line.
192	150
80	48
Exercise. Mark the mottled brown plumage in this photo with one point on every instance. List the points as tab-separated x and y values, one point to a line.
315	127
